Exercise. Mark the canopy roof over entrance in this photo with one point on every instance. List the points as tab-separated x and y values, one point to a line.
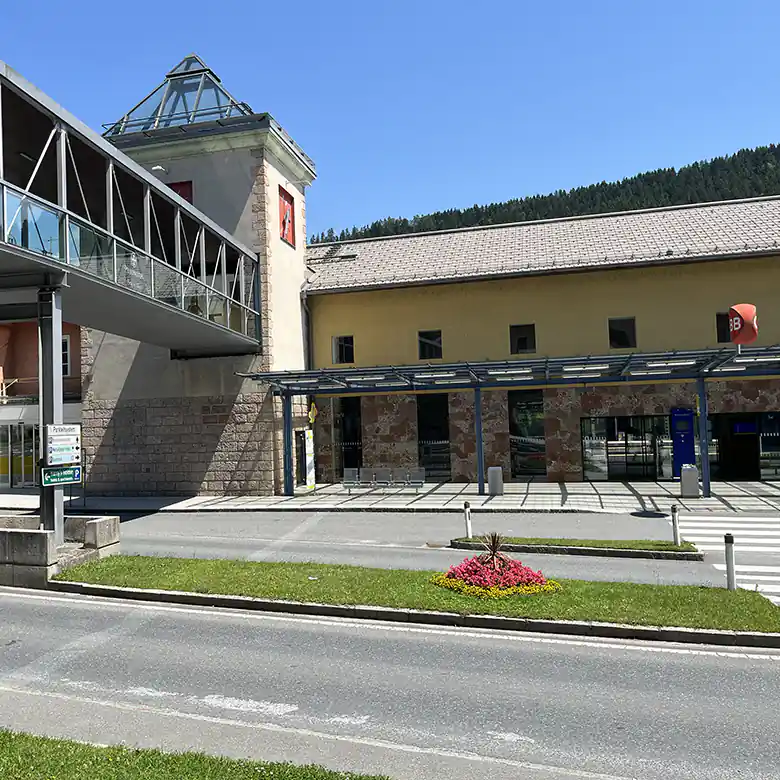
592	369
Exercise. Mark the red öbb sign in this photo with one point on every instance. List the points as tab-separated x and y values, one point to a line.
743	323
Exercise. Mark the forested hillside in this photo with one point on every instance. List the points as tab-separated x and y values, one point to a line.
748	173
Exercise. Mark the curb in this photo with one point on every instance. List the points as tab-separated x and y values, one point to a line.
377	509
418	617
604	552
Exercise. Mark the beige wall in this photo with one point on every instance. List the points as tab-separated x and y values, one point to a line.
286	270
674	306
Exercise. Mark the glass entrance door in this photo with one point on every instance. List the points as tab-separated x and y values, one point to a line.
627	448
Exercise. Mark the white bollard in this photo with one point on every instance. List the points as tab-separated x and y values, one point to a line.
467	518
676	524
731	577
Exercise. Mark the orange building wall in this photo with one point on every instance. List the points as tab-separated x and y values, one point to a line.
21	357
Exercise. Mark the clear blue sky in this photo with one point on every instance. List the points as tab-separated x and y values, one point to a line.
411	106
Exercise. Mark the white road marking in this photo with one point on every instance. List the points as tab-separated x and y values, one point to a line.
706	547
254	539
350	720
250	705
753	535
309	733
765	537
756	586
508	636
738	518
510	736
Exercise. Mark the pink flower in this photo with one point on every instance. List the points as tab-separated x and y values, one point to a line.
509	573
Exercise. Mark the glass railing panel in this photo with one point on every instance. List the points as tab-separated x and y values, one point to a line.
251	320
90	250
31	225
133	269
196	297
167	284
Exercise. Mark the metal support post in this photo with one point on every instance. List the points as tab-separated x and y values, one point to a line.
704	437
467	518
287	441
110	216
676	524
731	577
62	193
480	447
2	166
50	398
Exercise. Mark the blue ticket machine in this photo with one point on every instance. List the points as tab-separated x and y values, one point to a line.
683	440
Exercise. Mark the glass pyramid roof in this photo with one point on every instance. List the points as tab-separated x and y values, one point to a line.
191	93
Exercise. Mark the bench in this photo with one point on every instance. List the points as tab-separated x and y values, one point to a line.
383	477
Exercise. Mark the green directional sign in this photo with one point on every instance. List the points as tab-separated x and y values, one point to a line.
60	475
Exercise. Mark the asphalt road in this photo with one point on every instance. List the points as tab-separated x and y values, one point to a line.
409	702
407	528
394	541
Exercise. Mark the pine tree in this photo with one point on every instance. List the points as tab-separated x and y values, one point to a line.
748	173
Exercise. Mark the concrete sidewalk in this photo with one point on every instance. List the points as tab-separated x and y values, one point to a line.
617	497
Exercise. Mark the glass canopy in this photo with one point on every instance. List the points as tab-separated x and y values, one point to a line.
191	93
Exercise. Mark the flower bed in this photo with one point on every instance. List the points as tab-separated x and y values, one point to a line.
459	586
494	575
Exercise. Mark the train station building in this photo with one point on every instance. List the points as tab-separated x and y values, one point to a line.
202	338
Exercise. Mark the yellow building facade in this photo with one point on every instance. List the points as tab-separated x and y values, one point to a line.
658	281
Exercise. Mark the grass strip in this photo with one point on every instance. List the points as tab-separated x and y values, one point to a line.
619	544
25	757
615	602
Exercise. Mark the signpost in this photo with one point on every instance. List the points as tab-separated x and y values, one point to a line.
63	445
60	475
62	456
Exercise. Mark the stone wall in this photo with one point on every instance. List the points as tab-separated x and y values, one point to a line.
324	461
565	407
180	446
495	431
389	430
463	443
744	395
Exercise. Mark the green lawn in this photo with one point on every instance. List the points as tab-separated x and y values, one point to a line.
620	602
622	544
24	757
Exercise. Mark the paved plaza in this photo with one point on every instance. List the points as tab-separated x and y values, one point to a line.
602	497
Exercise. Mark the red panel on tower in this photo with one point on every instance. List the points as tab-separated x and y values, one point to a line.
286	216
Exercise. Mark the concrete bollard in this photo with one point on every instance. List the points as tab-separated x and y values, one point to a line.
467	518
676	524
731	576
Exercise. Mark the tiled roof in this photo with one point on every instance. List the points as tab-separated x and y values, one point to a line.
656	235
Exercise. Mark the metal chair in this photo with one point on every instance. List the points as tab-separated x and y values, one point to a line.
416	478
350	479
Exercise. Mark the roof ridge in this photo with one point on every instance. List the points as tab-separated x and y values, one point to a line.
551	220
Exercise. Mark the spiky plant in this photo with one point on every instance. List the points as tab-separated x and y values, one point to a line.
493	542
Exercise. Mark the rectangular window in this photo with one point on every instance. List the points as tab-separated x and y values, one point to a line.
66	355
522	338
622	333
343	349
183	189
429	344
286	217
722	327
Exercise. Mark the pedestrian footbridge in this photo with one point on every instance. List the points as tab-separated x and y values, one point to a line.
126	253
